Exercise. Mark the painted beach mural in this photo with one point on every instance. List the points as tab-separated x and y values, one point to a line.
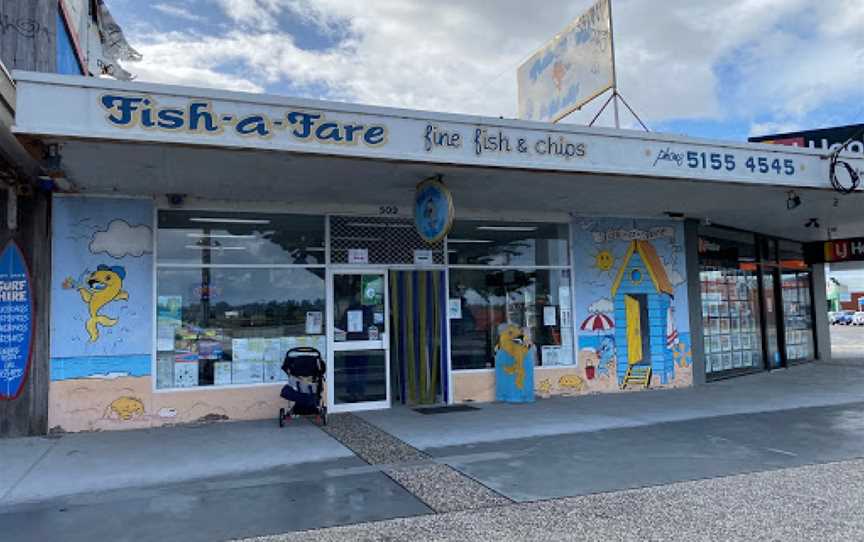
101	321
102	317
631	304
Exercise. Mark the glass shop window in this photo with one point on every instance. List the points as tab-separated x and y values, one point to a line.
219	323
797	302
199	237
731	317
504	244
536	300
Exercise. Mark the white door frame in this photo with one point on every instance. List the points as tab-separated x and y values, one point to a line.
333	346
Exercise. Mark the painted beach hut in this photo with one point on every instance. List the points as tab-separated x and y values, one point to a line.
642	295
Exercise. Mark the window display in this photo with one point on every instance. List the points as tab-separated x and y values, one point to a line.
536	301
797	307
221	324
730	301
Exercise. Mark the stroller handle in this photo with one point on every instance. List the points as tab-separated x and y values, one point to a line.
304	350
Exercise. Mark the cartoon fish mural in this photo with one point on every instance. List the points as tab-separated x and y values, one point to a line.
514	366
100	288
126	408
571	382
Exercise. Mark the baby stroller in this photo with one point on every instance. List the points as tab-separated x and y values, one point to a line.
306	372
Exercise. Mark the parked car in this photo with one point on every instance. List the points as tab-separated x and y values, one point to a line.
858	318
845	318
832	317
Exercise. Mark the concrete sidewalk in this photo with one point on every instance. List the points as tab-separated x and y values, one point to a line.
809	385
41	468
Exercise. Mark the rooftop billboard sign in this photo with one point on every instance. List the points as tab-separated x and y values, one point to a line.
571	70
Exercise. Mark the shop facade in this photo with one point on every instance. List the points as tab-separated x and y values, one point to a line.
198	235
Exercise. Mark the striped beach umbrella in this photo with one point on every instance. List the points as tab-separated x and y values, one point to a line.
597	322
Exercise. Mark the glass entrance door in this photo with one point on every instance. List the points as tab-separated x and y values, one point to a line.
359	374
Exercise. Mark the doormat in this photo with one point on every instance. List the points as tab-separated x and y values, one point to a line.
445	409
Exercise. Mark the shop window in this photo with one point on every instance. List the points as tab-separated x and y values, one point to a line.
220	323
536	300
508	244
797	302
198	237
729	283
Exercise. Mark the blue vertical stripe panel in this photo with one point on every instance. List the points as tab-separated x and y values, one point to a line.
67	57
442	304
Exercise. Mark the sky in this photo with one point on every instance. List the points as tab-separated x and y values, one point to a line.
705	68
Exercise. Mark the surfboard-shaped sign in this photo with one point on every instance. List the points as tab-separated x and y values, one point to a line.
16	321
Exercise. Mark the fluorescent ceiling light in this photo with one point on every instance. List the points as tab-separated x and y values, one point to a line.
507	228
220	236
231	220
214	249
372	225
366	239
314	249
470	241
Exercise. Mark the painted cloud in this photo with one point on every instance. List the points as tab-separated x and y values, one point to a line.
121	239
601	305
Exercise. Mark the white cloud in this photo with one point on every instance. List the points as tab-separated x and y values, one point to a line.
604	305
121	239
177	11
675	277
787	57
765	128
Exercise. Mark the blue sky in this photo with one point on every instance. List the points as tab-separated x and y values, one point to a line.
697	67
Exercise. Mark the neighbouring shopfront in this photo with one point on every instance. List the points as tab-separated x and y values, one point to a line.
757	305
199	236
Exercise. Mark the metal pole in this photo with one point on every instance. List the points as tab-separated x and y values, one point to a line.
614	72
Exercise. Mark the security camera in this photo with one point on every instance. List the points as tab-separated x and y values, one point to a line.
176	199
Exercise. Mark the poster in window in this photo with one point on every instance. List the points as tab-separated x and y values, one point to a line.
273	372
735	339
724	325
247	372
727	361
715	344
185	374
736	360
713	309
164	371
714	326
454	308
551	355
222	373
725	343
355	321
550	315
371	290
358	256
314	322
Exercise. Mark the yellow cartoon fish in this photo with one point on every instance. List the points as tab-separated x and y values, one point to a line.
102	287
126	408
572	382
512	340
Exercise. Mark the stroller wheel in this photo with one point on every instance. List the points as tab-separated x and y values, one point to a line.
281	417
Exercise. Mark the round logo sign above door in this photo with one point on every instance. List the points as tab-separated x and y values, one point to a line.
433	210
